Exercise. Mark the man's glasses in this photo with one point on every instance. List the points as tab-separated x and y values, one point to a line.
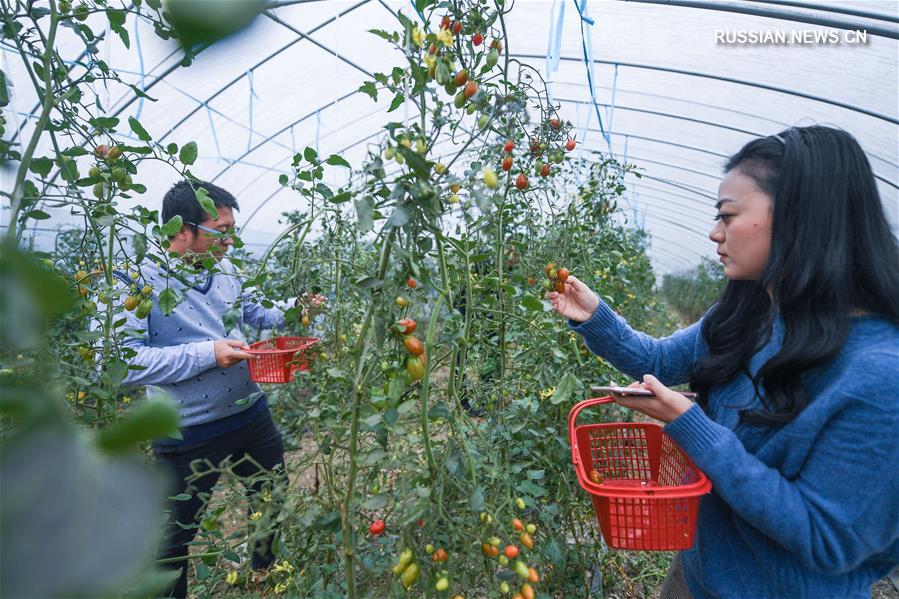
232	232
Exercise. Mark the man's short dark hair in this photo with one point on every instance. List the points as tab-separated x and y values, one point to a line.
181	200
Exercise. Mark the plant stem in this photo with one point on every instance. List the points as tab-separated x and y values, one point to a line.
426	385
18	193
360	354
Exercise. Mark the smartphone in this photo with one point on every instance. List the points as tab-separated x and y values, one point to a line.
635	391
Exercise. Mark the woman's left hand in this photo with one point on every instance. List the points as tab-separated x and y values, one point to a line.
665	406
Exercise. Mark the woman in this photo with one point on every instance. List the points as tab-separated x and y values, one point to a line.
797	370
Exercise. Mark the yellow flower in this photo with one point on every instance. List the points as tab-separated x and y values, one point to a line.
266	496
445	37
430	61
547	393
255	516
280	588
283	567
418	36
231	578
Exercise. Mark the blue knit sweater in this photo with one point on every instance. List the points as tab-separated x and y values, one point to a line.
807	509
177	356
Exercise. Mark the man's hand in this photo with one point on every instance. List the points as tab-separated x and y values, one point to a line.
665	406
228	352
577	303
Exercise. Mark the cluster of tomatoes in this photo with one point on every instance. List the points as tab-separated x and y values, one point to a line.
537	149
557	277
137	300
109	168
417	360
512	555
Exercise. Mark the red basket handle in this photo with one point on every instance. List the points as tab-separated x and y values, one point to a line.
572	417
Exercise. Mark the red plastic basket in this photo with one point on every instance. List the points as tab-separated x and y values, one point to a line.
648	499
279	358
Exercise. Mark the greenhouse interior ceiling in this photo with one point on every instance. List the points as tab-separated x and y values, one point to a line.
673	87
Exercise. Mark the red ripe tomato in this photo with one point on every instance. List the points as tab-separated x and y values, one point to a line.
457	27
511	551
411	283
376	528
414	345
477	39
531	280
533	576
521	182
461	78
554	123
440	555
517	524
562	274
407	325
432	49
544	170
445	22
569	145
471	88
559	286
507	163
510	145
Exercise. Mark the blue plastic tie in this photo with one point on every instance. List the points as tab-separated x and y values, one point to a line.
215	137
586	44
549	46
420	15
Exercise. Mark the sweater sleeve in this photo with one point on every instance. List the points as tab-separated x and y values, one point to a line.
843	507
670	359
257	315
163	365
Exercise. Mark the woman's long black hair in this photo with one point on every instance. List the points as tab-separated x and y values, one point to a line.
832	252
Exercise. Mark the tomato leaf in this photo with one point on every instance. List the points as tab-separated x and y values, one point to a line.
150	419
533	304
168	299
173	225
476	500
569	385
335	160
396	102
188	153
138	129
371	89
206	202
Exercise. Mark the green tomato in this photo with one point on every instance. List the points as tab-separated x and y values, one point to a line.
410	575
492	58
521	569
459	100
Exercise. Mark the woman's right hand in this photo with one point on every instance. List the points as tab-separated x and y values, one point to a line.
577	303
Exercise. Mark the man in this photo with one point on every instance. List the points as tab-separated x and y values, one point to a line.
190	356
